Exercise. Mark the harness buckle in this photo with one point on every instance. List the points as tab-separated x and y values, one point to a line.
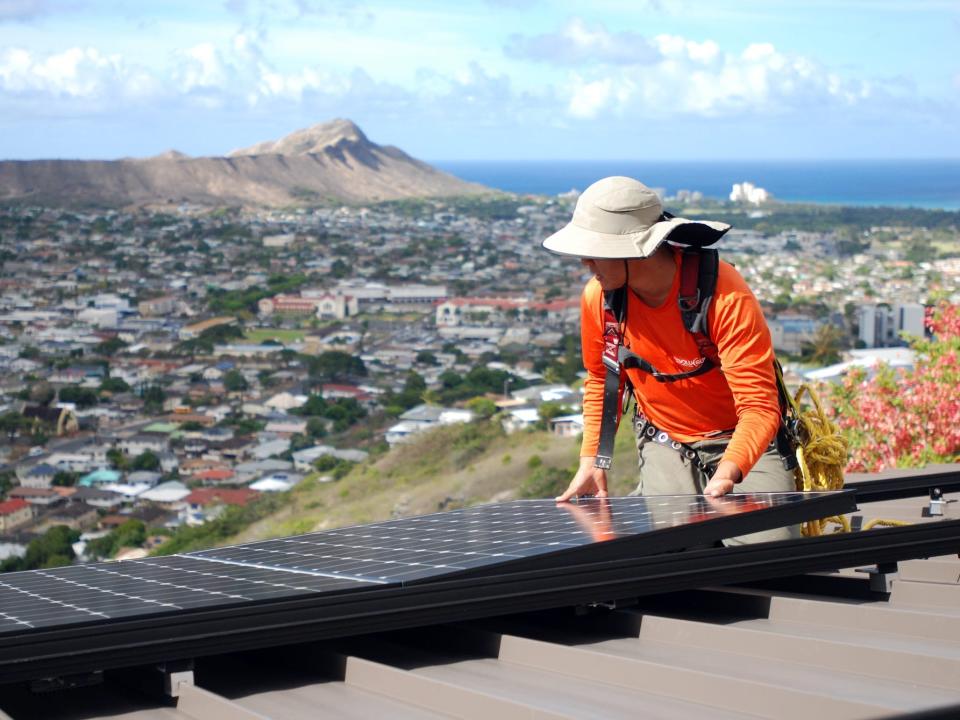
689	303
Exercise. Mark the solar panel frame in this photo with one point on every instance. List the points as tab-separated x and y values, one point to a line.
592	530
137	641
516	553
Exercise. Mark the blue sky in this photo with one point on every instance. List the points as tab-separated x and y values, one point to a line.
486	79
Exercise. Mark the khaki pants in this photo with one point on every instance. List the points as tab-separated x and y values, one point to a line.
664	471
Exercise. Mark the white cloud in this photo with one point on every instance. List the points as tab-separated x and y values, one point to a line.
699	78
76	73
577	43
589	98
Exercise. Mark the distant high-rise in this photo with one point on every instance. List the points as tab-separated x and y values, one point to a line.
883	325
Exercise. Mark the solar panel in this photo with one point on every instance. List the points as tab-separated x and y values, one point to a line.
486	539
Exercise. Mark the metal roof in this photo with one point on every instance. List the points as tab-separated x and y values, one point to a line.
808	646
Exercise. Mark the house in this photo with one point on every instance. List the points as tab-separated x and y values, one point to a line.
41	497
303	460
205	497
62	420
140	443
270	448
791	333
520	419
287	426
332	391
235	449
77	516
194	466
216	476
14	513
277	482
249	471
208	503
423	417
99	477
100	499
567	425
285	401
39	476
169	494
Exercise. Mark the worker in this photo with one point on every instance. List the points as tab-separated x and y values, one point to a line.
702	426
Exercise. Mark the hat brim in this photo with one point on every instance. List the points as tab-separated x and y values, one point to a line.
576	241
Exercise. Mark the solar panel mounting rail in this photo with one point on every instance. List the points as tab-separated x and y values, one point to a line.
585	577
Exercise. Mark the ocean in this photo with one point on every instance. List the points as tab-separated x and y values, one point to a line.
930	184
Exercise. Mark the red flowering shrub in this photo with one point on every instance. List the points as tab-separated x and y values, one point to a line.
906	418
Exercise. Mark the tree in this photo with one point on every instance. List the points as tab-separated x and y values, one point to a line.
52	549
145	461
824	349
117	459
80	396
335	366
313	407
114	385
482	407
110	347
906	418
425	357
153	399
64	478
234	381
550	410
132	533
7	478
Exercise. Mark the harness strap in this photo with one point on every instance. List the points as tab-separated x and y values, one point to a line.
609	420
698	279
648	432
629	359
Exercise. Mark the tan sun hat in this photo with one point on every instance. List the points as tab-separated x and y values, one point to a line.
619	218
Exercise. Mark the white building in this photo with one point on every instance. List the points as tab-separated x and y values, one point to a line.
882	325
747	192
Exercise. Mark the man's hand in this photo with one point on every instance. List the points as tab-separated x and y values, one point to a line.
589	480
723	480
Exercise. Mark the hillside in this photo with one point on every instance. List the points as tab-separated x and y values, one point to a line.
453	466
328	162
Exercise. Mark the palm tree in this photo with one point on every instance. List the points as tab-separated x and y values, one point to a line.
824	348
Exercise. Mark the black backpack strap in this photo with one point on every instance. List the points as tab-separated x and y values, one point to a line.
698	282
787	434
614	314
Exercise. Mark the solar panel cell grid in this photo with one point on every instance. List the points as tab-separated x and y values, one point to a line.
364	557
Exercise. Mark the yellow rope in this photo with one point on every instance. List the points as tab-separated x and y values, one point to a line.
887	523
821	456
821	453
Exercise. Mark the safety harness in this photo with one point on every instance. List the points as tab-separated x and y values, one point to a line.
698	281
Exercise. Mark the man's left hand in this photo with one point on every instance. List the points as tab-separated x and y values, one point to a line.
723	480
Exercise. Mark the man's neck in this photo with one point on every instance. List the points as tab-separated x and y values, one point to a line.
651	279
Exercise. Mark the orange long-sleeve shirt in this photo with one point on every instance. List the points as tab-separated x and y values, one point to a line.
742	397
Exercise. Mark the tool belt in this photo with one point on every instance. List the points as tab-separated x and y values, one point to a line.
648	432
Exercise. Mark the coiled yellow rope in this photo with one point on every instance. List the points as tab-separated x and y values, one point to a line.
821	454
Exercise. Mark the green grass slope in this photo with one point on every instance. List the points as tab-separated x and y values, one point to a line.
444	469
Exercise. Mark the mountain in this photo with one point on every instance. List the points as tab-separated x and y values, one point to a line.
332	161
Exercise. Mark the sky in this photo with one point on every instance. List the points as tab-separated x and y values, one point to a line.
685	80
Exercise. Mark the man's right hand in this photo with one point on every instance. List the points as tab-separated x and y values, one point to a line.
589	480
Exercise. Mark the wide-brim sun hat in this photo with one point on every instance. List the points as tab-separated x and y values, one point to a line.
621	218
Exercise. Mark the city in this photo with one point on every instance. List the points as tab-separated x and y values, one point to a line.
160	366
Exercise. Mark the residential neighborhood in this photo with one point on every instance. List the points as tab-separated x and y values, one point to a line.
162	366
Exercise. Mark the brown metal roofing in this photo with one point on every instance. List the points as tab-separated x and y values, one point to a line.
813	647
